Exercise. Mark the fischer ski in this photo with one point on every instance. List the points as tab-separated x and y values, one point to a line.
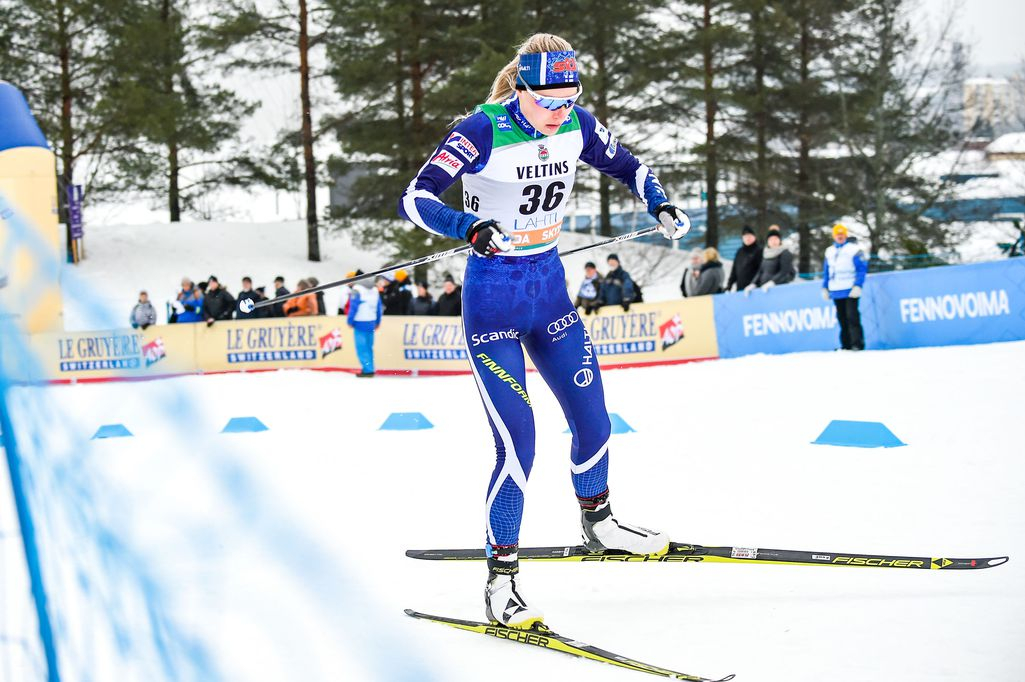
542	637
681	553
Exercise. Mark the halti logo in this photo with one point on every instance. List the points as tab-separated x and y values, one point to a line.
542	152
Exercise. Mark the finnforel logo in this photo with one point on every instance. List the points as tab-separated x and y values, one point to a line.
955	306
790	321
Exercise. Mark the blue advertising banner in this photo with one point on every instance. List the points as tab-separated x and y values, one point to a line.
785	319
950	305
953	305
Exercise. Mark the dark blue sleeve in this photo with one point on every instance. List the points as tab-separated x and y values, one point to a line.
465	149
825	273
860	269
603	151
353	305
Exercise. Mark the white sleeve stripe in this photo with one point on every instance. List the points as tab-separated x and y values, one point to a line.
639	179
594	459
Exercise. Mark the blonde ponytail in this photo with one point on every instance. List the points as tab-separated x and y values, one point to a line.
505	82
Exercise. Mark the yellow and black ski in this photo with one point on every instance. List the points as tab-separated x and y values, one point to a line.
540	636
686	553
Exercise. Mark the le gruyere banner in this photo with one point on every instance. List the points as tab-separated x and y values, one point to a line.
649	333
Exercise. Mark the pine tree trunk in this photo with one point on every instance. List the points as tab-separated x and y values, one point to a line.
804	154
173	193
312	237
711	162
601	110
761	125
173	165
66	123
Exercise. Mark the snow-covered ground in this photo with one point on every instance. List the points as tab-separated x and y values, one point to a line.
279	555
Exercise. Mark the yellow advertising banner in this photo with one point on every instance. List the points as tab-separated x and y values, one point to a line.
30	253
320	342
111	354
647	334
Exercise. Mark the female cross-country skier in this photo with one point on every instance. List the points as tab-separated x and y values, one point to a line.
517	157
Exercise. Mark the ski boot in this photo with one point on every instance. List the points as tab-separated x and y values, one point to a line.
503	601
602	531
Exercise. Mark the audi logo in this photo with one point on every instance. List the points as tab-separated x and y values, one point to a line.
563	322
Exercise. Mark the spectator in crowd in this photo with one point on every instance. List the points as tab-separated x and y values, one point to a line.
301	306
844	269
777	263
617	288
263	312
746	262
589	294
248	294
450	302
218	304
710	275
690	276
396	295
279	290
143	314
423	302
188	305
321	308
365	310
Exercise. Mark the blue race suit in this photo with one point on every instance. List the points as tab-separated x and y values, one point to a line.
522	179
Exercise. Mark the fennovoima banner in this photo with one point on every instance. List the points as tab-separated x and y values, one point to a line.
954	305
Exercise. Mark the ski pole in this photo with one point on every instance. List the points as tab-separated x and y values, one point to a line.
248	305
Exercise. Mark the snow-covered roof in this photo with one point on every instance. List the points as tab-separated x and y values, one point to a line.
1011	143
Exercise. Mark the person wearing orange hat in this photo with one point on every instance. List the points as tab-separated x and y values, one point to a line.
844	270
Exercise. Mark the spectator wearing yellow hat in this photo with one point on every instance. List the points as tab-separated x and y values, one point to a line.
397	294
844	270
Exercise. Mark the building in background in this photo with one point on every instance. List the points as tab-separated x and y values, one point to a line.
992	107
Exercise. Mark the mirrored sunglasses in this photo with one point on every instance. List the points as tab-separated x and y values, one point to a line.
553	103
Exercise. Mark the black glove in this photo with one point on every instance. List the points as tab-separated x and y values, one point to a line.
672	222
487	238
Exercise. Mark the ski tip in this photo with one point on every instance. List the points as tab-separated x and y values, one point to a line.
727	678
997	561
409	612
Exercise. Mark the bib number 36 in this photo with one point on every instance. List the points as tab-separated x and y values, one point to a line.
548	198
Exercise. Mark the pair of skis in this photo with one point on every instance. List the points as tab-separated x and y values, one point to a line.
542	637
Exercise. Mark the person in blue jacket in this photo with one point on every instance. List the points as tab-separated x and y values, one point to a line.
365	310
844	269
516	156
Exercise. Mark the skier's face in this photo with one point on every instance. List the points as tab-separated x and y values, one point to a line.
542	119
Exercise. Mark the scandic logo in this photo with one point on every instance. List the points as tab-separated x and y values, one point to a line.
563	322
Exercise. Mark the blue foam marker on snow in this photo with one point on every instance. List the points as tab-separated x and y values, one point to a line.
111	431
858	435
619	425
243	425
406	421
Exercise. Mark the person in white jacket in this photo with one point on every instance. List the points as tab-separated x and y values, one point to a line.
844	269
